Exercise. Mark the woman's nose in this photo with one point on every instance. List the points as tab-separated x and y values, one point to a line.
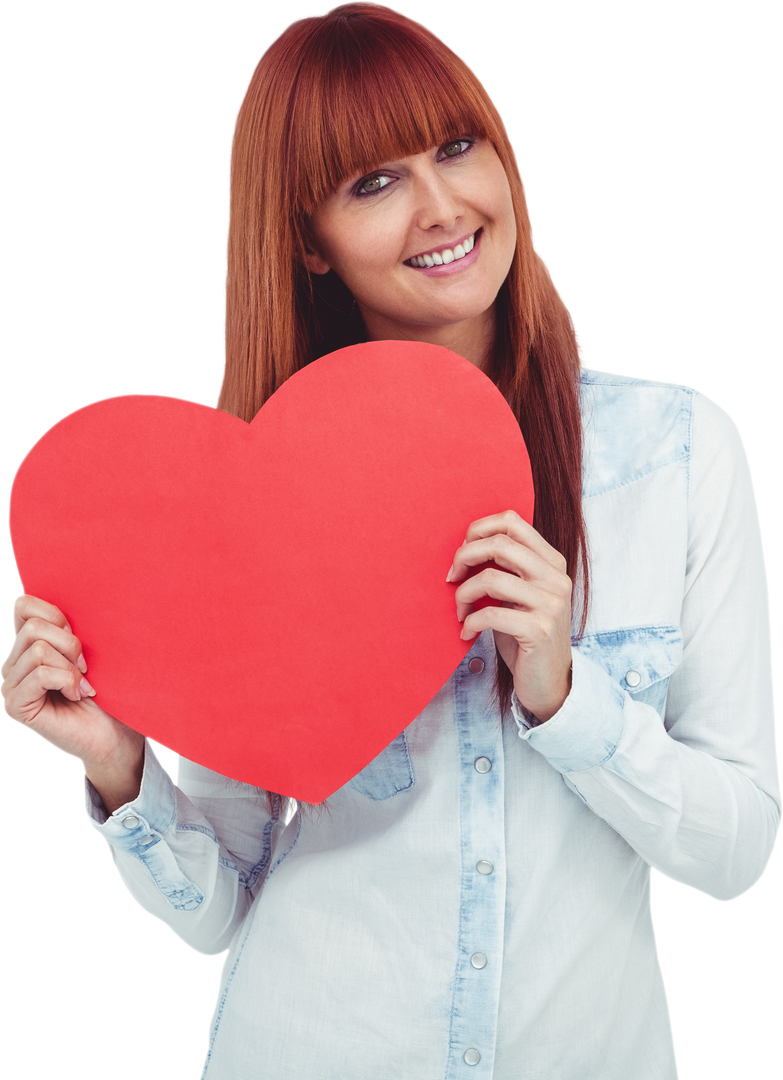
437	202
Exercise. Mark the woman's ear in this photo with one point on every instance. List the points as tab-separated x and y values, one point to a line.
313	259
316	263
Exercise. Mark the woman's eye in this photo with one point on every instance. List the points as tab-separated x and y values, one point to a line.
456	147
371	184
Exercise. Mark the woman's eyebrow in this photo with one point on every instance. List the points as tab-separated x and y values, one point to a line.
391	163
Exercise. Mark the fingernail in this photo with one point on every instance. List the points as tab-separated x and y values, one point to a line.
68	628
450	573
81	664
86	688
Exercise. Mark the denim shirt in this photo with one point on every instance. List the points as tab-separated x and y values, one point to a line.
475	902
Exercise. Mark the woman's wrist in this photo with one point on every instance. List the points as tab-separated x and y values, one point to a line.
118	781
545	709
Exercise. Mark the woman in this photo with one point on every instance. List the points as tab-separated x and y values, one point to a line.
477	898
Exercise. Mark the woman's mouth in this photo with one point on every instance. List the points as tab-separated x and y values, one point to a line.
447	260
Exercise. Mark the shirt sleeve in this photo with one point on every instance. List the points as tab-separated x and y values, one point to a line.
195	860
697	796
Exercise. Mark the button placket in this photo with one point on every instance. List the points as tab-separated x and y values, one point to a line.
478	960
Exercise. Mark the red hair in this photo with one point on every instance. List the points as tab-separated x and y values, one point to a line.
332	98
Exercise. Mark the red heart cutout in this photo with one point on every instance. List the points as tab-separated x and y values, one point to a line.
269	599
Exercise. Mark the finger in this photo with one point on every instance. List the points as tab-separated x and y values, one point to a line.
520	530
28	607
499	548
524	626
25	701
40	654
506	552
504	620
509	589
487	618
37	629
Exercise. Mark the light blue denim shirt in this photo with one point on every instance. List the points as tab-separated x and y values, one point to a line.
475	903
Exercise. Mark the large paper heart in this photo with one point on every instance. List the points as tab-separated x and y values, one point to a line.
269	599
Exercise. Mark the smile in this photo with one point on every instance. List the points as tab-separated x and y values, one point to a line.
445	255
447	260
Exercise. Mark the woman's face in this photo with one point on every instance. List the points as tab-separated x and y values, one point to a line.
423	243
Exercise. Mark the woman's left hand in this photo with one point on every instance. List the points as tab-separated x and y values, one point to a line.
532	624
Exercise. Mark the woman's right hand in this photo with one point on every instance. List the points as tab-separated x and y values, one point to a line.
45	688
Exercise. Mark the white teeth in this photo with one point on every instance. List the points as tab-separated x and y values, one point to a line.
446	256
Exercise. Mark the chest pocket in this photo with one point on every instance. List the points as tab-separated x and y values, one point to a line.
387	774
640	658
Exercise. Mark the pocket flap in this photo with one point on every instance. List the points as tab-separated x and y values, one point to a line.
636	656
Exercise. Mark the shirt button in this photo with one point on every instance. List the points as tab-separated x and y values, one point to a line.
484	866
476	665
632	678
478	960
471	1057
482	764
130	822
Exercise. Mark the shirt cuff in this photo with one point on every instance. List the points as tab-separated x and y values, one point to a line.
138	822
138	828
587	728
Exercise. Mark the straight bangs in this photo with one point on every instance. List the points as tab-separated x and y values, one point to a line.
371	91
